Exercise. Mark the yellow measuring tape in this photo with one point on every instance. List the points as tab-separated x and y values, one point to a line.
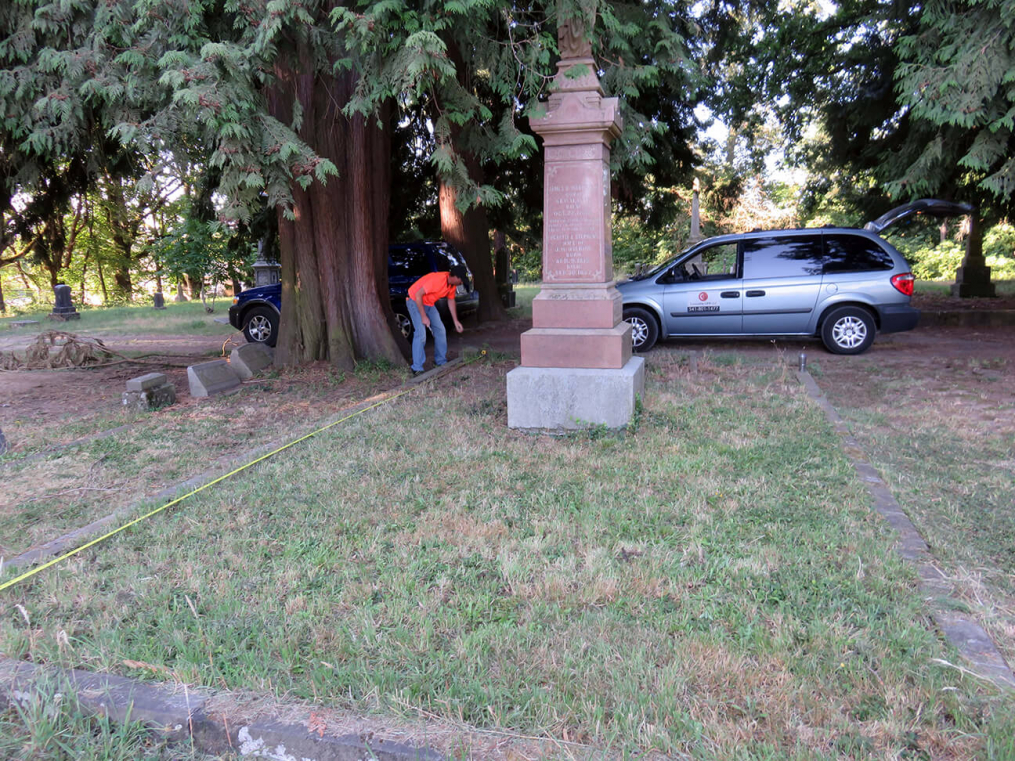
176	501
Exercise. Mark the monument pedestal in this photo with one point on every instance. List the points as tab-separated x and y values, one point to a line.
570	398
972	281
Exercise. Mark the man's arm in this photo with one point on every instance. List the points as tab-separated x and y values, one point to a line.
453	308
418	298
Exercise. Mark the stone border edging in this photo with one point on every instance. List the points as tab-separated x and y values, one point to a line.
179	714
967	318
968	637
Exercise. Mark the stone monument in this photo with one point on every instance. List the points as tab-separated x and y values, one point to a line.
64	309
149	392
972	279
159	300
577	367
695	236
265	272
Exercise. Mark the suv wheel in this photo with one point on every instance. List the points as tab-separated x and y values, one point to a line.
644	328
261	326
848	330
404	325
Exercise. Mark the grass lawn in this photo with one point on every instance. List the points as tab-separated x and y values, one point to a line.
49	492
711	582
946	446
185	318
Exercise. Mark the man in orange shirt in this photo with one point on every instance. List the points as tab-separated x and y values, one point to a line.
421	303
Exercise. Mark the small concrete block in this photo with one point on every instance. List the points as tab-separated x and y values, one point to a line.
23	323
551	398
145	382
249	359
150	398
212	378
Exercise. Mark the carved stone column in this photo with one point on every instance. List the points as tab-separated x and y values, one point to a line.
577	367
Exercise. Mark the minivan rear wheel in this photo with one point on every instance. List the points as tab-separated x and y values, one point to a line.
644	328
848	330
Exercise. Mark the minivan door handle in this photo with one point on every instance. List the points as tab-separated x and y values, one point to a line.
755	293
730	294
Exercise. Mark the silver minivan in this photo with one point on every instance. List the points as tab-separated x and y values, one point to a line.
842	285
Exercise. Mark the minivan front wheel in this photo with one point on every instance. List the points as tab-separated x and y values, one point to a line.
848	330
644	328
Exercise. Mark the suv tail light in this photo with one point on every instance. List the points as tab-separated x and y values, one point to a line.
904	283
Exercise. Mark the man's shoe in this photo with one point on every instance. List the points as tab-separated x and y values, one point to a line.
417	373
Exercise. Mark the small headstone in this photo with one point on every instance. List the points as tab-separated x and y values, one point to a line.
149	392
212	378
64	309
23	323
3	442
249	359
972	279
160	300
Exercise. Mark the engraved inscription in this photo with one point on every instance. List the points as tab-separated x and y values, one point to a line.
574	234
574	152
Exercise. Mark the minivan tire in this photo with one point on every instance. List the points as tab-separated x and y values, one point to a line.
848	330
260	326
644	328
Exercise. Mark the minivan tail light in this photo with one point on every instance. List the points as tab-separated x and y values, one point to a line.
904	283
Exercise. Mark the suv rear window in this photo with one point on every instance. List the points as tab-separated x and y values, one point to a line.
853	253
410	261
789	256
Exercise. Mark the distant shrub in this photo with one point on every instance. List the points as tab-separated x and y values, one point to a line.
939	262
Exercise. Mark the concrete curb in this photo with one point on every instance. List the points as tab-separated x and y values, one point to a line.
971	318
180	714
968	637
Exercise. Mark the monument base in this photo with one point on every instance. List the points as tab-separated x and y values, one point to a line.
551	398
973	282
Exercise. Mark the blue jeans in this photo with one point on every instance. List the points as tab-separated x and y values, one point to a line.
440	336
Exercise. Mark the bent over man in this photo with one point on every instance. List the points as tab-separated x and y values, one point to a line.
421	303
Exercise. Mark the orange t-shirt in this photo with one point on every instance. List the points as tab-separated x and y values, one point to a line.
435	287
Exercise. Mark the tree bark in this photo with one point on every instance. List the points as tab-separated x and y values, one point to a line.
470	232
334	251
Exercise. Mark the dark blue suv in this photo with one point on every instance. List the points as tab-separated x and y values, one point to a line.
256	311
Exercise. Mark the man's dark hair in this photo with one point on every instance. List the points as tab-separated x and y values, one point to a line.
462	274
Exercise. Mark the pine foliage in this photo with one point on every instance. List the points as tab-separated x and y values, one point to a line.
958	75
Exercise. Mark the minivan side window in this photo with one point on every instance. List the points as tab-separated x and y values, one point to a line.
796	256
854	253
714	263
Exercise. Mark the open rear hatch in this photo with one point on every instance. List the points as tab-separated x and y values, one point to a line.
931	206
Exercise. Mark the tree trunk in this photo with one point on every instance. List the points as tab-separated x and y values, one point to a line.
470	232
102	282
335	305
3	305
